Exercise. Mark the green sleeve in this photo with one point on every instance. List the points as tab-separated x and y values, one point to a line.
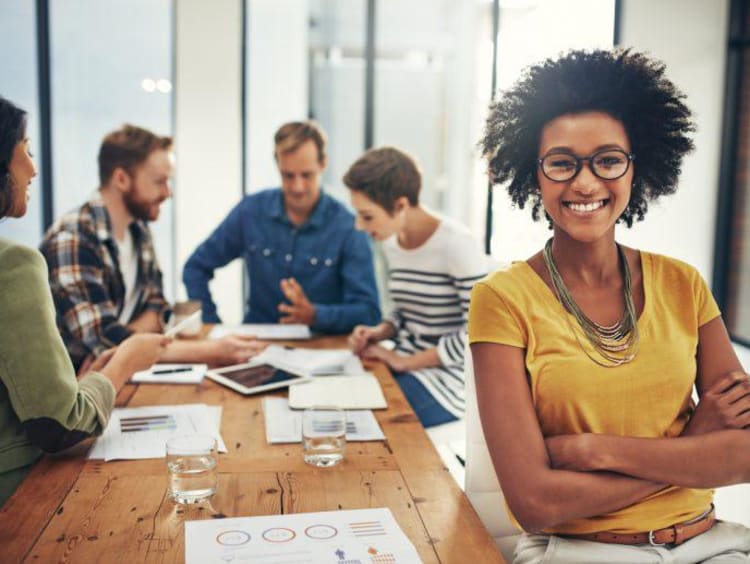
34	364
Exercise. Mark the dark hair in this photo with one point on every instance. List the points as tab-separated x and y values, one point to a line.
384	175
290	136
127	148
12	132
628	86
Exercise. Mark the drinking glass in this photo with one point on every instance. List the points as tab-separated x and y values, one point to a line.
323	435
191	468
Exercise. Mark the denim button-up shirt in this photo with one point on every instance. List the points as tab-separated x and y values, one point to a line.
326	255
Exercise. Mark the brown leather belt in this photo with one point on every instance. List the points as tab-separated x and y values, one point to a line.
676	534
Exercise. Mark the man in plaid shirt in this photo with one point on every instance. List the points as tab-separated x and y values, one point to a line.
103	270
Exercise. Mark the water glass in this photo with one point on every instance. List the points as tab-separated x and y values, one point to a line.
323	435
191	468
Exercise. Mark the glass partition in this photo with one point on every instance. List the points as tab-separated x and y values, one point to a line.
111	64
18	58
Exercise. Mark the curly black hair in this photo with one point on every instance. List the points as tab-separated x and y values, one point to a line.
12	132
627	85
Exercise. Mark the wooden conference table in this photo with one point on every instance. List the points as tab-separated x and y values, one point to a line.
71	509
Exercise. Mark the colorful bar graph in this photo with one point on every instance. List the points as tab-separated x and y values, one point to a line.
148	423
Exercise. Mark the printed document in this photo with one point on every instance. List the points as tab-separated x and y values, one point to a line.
359	536
284	425
135	433
263	331
311	362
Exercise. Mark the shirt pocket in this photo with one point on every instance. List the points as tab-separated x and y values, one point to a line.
319	271
262	254
323	263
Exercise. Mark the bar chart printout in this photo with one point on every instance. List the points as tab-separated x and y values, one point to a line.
148	423
360	536
142	432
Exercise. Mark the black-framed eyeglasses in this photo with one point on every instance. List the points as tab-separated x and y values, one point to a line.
607	164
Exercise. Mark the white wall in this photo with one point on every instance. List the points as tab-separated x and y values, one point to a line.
690	36
529	34
208	135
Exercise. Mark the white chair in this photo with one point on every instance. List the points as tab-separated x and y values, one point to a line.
450	442
482	487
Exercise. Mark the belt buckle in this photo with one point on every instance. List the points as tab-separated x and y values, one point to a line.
652	540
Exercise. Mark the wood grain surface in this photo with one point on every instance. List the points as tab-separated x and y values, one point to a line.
71	509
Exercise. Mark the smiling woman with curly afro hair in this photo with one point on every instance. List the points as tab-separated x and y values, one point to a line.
626	85
586	354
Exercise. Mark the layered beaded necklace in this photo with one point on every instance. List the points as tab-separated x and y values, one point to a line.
618	343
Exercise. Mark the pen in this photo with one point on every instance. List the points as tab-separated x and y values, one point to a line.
172	370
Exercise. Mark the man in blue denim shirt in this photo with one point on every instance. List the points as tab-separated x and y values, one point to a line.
305	261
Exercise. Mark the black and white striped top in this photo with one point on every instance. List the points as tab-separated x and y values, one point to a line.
429	287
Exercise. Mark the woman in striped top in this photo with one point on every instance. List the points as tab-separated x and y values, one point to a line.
433	262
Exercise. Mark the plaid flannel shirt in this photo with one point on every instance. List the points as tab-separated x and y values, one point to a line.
86	282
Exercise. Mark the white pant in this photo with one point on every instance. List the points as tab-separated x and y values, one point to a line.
723	543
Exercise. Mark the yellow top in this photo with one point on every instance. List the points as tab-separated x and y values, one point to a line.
648	397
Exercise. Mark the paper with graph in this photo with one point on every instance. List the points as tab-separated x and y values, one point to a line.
142	432
359	536
284	425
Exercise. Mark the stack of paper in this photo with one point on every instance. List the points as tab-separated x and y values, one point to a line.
263	331
285	426
171	374
311	362
142	432
358	536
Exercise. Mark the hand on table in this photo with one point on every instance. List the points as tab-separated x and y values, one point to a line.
234	349
300	310
394	361
363	336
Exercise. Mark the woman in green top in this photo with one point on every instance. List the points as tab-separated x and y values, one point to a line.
42	405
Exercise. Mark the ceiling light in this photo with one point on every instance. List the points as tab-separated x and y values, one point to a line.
163	86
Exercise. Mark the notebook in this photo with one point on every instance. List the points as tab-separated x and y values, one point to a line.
171	374
346	392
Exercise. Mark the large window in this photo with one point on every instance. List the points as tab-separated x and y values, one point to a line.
18	61
111	64
427	81
422	97
732	251
416	75
337	44
530	31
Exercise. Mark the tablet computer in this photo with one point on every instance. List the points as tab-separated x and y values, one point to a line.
252	378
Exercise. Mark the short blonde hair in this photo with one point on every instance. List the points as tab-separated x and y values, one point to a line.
290	136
